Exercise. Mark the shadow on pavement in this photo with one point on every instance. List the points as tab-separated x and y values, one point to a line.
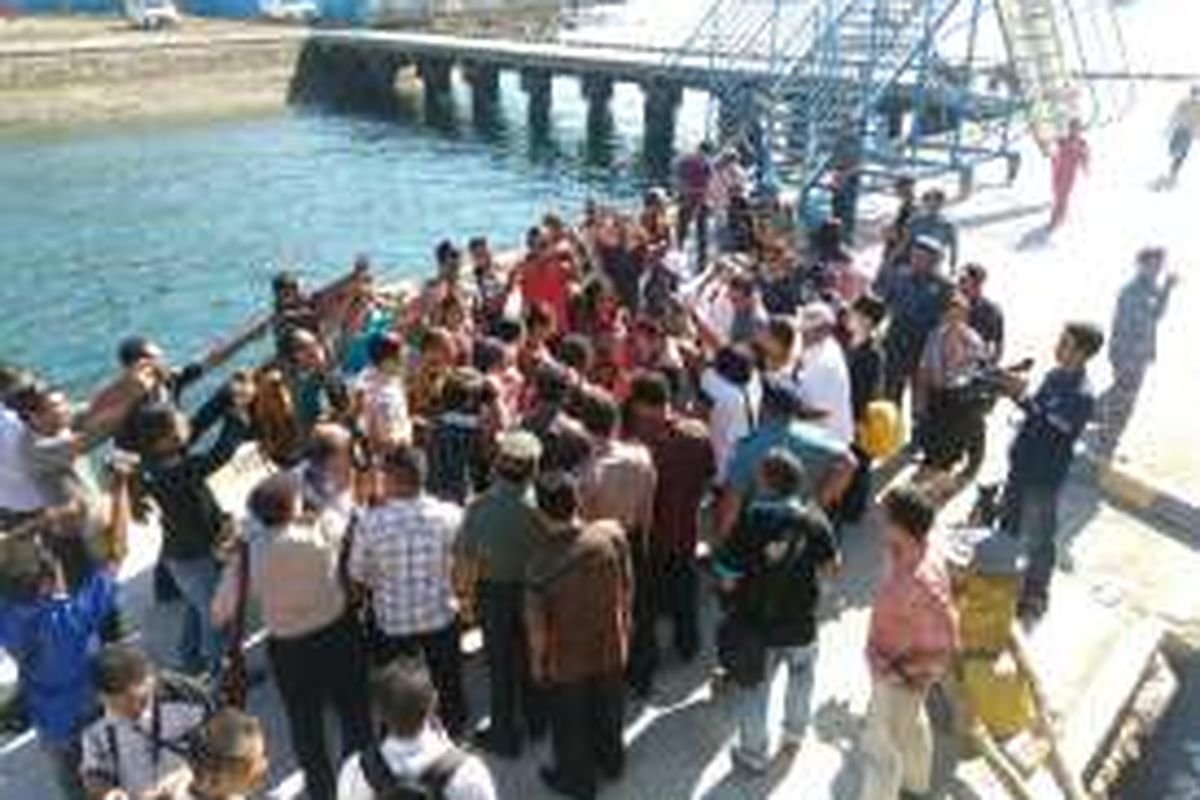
745	787
1002	215
668	756
1034	238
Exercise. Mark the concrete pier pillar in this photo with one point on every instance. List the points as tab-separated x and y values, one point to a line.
484	80
598	91
660	110
536	83
435	80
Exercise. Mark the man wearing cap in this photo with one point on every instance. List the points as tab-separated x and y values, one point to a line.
823	378
828	463
916	296
931	221
1133	343
501	531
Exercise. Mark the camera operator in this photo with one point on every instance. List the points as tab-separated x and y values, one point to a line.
1041	455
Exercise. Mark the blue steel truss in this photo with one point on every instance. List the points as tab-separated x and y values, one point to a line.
810	85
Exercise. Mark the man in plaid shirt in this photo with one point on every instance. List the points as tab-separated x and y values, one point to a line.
402	552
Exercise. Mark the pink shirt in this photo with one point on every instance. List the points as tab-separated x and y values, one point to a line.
914	626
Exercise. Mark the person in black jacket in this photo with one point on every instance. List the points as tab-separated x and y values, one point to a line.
771	569
193	523
865	361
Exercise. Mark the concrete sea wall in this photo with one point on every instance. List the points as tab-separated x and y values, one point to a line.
117	63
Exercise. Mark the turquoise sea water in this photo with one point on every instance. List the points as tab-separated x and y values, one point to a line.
174	229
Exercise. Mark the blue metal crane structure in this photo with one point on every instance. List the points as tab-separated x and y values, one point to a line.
885	86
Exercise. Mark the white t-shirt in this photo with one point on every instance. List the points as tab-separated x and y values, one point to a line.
18	489
734	413
409	757
384	405
824	382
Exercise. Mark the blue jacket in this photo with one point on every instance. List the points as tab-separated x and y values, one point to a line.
1055	416
52	640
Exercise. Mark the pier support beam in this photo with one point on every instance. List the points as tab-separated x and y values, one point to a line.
598	91
435	74
537	85
484	80
661	100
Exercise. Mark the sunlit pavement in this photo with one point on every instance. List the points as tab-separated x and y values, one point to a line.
1076	272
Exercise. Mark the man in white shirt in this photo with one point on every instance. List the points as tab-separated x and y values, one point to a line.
415	753
19	492
823	378
733	390
381	396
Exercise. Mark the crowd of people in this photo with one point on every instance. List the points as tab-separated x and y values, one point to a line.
561	449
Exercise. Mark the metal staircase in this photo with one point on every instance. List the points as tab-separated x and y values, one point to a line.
827	108
805	86
820	73
1040	67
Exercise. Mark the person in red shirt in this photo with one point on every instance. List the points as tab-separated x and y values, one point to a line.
546	275
1071	155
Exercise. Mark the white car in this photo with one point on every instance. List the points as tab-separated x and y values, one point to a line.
151	14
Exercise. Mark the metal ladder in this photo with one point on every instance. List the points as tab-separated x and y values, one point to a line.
1040	67
835	66
830	101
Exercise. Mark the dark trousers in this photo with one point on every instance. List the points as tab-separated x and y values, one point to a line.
643	649
513	693
677	598
956	427
325	668
443	658
1115	407
586	721
857	499
1030	511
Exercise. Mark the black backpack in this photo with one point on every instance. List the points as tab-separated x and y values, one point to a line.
430	784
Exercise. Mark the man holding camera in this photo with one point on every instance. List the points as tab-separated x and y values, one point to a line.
1041	454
